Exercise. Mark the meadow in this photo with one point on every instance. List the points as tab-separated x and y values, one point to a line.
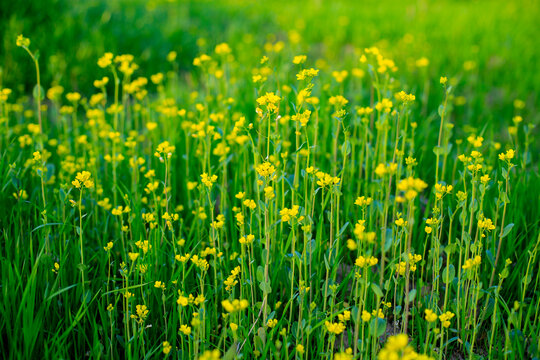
284	180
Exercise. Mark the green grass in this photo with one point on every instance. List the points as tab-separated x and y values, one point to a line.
150	228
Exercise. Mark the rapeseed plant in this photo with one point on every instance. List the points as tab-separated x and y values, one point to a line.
269	208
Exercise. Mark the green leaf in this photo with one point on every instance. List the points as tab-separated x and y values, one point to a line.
43	225
231	353
354	314
447	149
41	94
490	257
346	148
448	274
381	327
258	343
265	287
50	171
377	324
412	295
61	291
261	331
326	264
507	229
441	110
388	241
16	182
260	273
343	228
377	290
82	267
449	249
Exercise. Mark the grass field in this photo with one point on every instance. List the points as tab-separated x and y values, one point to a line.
283	180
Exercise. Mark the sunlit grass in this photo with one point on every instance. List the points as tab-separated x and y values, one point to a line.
277	206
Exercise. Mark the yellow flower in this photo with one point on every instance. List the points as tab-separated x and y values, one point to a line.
307	74
246	240
378	313
272	323
171	56
82	180
289	214
363	201
385	105
141	313
208	180
422	62
430	316
364	111
269	192
133	256
182	300
166	347
240	195
22	41
338	101
265	169
347	355
151	125
117	211
156	78
270	101
404	97
222	49
471	263
210	355
105	60
346	316
369	261
21	194
325	180
165	149
340	76
235	305
299	59
334	328
366	316
411	187
184	329
302	117
509	155
445	318
485	224
73	97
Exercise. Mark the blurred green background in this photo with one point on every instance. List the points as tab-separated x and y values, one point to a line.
491	43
